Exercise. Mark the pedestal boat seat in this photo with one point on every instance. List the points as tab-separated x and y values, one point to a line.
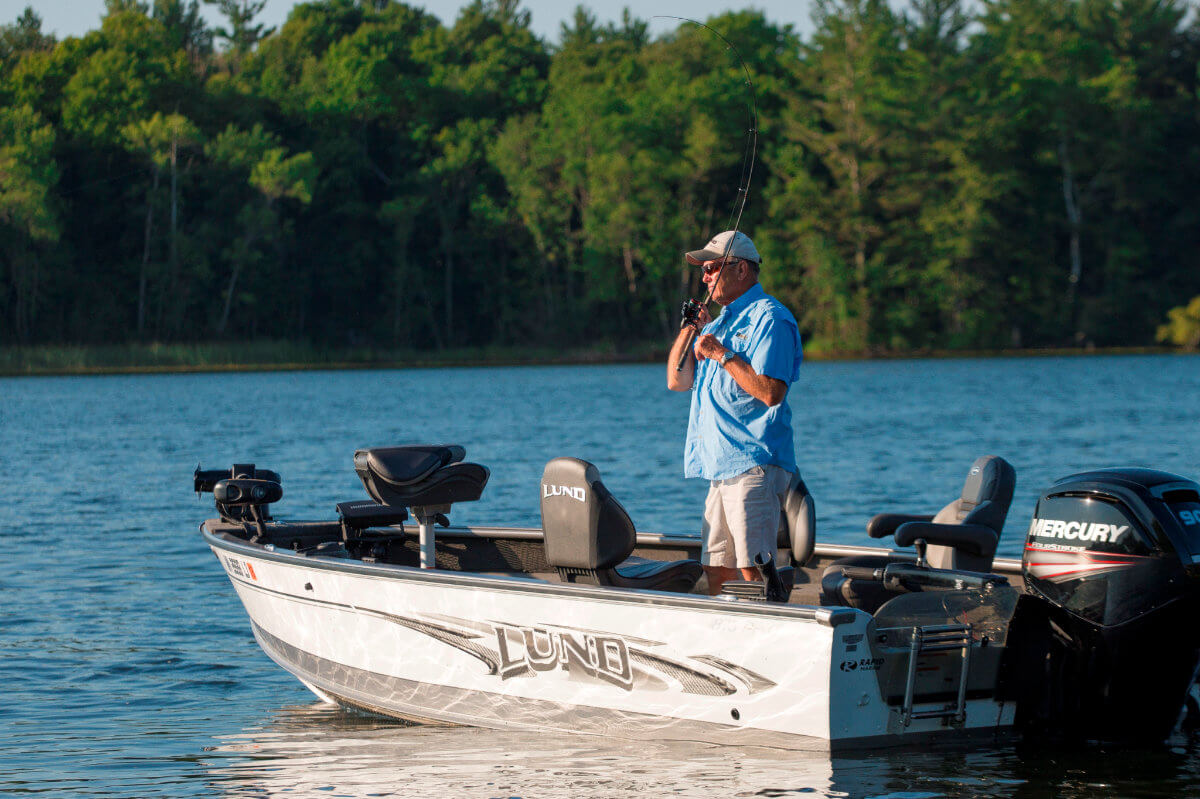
961	537
797	523
589	536
424	480
797	537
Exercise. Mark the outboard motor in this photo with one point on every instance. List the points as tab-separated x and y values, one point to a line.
1110	630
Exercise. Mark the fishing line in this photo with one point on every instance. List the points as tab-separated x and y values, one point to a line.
743	188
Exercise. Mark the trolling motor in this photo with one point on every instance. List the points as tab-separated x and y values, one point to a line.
242	493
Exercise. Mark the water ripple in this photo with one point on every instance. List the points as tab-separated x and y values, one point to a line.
129	667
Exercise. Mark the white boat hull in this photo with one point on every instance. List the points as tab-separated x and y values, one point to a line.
507	652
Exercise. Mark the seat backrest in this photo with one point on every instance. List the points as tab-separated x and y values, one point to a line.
986	496
798	522
584	526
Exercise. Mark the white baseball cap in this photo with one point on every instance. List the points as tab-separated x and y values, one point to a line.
739	247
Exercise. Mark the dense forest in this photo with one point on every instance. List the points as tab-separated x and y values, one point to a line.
1005	173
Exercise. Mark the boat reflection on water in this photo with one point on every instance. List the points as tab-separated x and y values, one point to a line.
323	750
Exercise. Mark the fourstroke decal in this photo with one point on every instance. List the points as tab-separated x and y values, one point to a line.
1059	566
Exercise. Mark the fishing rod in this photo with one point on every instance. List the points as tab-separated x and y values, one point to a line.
691	308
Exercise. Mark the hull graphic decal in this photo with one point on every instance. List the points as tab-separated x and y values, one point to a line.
753	682
458	639
512	651
693	681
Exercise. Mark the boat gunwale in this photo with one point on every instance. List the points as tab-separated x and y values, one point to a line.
829	617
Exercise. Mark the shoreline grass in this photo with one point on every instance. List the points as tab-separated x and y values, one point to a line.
45	361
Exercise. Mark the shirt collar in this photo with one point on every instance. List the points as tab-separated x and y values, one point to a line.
753	293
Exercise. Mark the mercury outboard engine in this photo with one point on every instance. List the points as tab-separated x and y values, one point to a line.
1110	630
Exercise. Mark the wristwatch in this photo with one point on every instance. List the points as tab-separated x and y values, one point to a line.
727	357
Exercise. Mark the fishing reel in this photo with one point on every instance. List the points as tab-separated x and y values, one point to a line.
691	315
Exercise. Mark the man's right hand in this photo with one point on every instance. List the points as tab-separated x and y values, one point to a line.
695	315
689	313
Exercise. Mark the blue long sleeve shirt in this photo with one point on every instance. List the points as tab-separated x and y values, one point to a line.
729	430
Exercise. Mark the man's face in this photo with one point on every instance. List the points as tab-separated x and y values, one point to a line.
732	278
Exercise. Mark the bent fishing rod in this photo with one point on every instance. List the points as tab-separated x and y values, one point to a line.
691	308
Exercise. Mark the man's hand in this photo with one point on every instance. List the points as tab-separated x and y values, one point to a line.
695	315
707	346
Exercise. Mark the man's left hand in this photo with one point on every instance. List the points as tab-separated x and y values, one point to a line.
707	346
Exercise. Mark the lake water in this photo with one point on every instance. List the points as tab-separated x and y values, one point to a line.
128	667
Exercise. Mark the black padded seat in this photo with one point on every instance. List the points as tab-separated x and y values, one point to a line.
797	522
589	536
417	476
844	582
961	536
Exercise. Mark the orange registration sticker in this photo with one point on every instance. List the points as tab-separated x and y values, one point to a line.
250	569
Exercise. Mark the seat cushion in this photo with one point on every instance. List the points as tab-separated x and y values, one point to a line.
839	590
656	575
458	482
402	466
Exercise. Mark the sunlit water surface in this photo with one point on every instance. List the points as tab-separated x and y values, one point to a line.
128	665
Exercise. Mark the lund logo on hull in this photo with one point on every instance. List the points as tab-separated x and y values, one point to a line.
522	651
603	657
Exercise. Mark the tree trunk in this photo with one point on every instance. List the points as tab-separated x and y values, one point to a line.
630	275
237	267
447	279
233	278
24	295
142	277
1075	224
172	260
862	290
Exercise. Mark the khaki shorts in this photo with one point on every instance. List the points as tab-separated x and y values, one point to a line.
741	516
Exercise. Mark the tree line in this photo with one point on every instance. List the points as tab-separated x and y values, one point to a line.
1008	173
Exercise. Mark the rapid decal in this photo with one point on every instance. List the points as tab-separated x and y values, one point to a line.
574	492
1083	532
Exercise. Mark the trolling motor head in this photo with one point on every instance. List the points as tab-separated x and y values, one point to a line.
242	492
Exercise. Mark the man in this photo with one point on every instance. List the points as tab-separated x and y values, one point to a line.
740	427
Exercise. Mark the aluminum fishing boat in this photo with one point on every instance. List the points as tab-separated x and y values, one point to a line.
587	625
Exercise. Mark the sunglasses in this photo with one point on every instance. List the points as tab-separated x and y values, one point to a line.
714	267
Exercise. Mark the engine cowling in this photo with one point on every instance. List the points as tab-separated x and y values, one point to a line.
1112	566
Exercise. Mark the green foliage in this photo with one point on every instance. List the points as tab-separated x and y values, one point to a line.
278	176
242	34
948	175
156	136
1183	326
22	37
27	175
